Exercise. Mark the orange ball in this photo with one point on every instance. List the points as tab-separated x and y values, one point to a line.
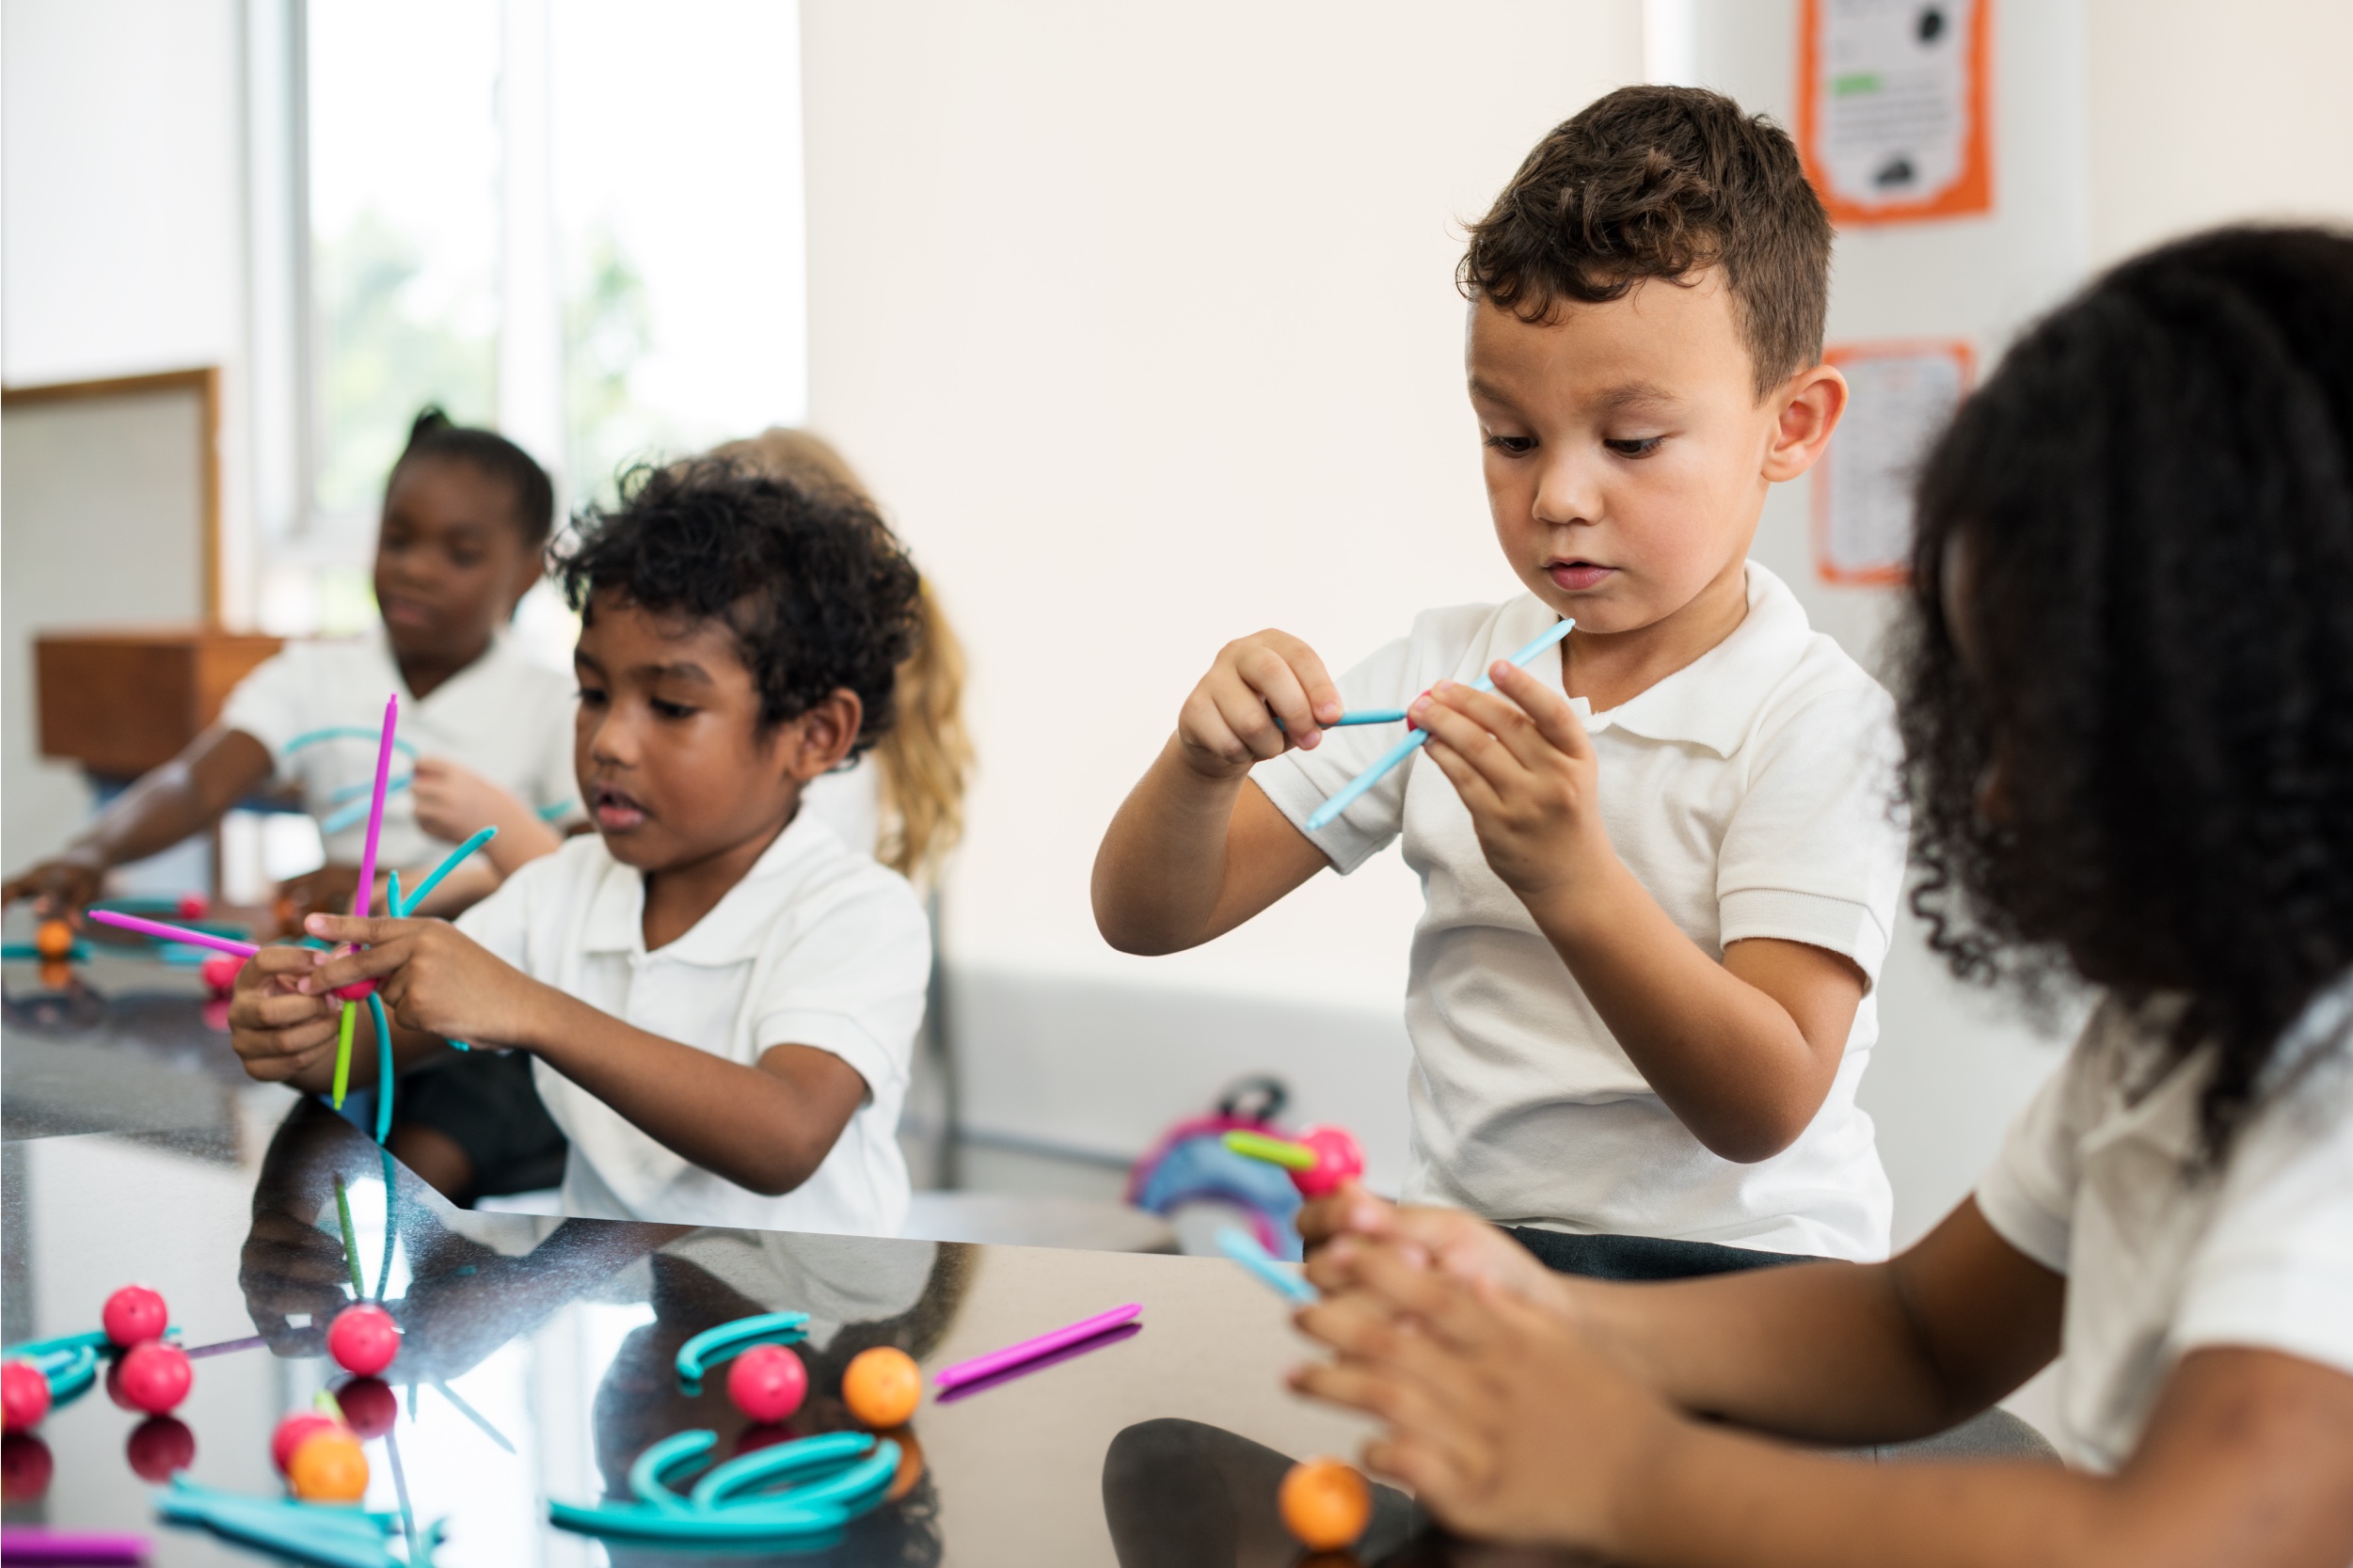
881	1386
909	1464
1326	1503
329	1467
54	938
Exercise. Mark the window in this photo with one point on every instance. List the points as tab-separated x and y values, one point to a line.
581	224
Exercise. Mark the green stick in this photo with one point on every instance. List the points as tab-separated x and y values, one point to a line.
351	1241
342	1052
1275	1151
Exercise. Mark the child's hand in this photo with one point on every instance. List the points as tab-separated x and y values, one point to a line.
1502	1419
277	1032
433	977
453	804
1228	723
1339	1228
330	887
66	885
1526	769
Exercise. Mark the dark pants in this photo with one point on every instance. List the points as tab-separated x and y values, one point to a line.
1642	1256
483	1103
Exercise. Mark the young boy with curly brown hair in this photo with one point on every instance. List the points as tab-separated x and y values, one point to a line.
719	996
1661	862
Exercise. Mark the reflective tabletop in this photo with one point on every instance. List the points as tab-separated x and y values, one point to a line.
537	1358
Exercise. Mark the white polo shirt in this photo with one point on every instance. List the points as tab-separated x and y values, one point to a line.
2101	1180
818	945
1753	794
504	717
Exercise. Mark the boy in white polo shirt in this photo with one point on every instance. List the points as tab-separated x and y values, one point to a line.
1662	863
719	997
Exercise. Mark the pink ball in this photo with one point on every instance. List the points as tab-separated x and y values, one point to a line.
155	1376
369	1405
23	1396
363	1340
193	906
359	991
292	1433
1338	1159
767	1383
219	972
133	1314
160	1447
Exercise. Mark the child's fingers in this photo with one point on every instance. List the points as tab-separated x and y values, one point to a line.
1479	795
1276	681
1546	708
277	1009
1452	1312
361	963
1438	712
358	928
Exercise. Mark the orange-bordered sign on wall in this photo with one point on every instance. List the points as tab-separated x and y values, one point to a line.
1892	119
1901	394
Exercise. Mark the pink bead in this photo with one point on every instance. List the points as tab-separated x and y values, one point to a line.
369	1405
1338	1159
767	1383
363	1340
23	1396
359	991
193	906
292	1433
155	1376
219	972
160	1447
133	1314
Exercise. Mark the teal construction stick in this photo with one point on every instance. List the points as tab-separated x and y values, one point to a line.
1349	792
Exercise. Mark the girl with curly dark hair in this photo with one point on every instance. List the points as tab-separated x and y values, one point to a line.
719	996
2127	699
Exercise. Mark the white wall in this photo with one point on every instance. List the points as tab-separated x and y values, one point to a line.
1142	319
2202	114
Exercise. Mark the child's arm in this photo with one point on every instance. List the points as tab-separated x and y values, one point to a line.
1742	1051
766	1127
454	803
1510	1421
1193	853
184	796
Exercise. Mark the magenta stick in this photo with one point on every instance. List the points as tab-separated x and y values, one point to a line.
32	1544
366	896
1030	1350
173	933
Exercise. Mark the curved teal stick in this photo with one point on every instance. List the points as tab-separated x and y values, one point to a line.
454	859
383	1073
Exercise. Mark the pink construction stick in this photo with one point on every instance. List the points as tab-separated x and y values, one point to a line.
366	896
1030	1350
173	933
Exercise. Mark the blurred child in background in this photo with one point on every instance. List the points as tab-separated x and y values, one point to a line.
466	516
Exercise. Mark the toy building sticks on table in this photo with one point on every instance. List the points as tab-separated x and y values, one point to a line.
1244	1249
364	895
1324	813
800	1493
698	1356
1319	1159
1030	1349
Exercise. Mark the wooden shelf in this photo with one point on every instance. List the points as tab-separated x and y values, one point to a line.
121	700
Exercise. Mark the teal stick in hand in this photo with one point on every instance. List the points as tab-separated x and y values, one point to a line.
1406	748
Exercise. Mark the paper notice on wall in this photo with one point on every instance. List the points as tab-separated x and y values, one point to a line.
1902	395
1891	110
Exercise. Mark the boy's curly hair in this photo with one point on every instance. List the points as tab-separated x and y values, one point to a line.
2135	759
818	593
1657	181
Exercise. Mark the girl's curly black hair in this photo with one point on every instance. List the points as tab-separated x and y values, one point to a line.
2134	758
817	591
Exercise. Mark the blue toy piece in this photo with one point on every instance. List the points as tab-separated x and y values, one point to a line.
1243	1249
68	1362
1190	1165
707	1349
323	1533
826	1482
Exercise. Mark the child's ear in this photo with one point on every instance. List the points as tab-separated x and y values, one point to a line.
826	733
1808	407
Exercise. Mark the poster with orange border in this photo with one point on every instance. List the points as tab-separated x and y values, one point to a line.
1900	394
1892	118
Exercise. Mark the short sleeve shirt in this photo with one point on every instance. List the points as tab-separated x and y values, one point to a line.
2102	1179
816	946
504	717
1753	794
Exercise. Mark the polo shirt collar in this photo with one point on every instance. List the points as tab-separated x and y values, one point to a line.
1713	700
736	926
